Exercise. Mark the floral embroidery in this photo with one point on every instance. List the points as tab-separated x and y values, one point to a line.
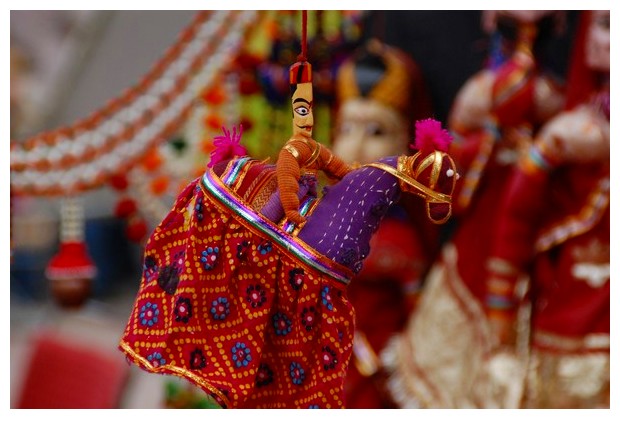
197	359
156	359
241	355
296	278
308	317
198	208
209	257
220	308
326	298
264	375
255	295
297	373
178	259
168	279
281	324
265	247
149	268
183	310
149	314
242	250
329	358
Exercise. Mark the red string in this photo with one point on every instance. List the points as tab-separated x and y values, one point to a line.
304	31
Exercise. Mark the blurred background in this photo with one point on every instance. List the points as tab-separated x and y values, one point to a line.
82	70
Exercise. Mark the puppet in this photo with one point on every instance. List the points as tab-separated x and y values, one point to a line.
434	362
253	309
244	285
380	96
553	238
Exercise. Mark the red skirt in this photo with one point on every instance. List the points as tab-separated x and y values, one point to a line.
247	312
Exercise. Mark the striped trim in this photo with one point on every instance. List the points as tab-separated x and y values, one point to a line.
289	226
232	172
214	186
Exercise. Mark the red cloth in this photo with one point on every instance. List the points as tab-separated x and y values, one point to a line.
65	374
475	222
238	314
568	301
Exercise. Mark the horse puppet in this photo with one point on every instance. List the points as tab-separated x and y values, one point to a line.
252	307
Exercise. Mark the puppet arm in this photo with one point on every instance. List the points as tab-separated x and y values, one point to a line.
291	158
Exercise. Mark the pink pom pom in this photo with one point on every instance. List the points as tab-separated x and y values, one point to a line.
429	136
227	146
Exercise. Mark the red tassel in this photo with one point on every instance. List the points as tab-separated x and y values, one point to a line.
71	262
71	272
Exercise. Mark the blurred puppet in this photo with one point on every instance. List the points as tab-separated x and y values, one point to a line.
434	362
553	235
244	285
381	94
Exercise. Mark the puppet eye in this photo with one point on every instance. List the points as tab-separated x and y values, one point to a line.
303	111
374	129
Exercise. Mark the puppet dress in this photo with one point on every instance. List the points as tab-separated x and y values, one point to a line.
237	304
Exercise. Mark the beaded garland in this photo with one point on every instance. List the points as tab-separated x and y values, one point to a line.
86	154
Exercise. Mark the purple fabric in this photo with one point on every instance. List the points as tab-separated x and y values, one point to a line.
349	213
273	208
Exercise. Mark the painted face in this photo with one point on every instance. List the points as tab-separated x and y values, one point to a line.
368	131
303	119
597	47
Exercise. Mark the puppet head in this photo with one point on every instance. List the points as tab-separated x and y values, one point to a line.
597	42
432	167
300	78
512	92
379	89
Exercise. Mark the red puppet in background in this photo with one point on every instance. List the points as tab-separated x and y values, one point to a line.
554	234
435	362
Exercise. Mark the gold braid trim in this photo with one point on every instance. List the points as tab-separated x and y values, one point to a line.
291	149
434	196
315	148
315	154
173	369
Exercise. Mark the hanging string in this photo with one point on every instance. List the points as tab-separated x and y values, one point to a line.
304	32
